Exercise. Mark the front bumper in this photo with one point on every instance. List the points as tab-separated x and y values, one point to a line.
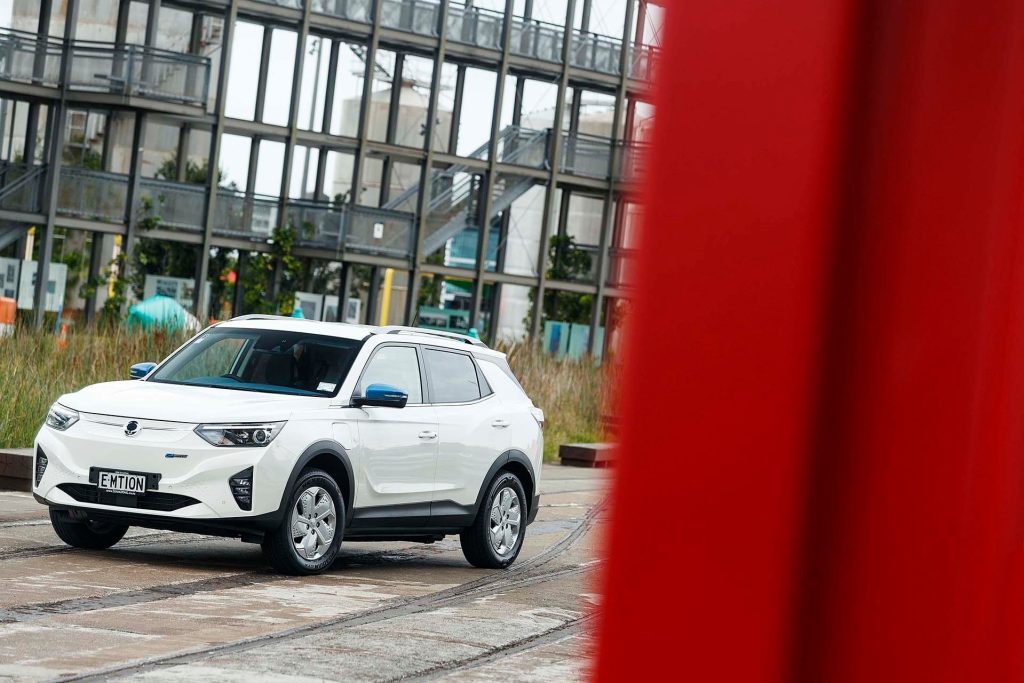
193	476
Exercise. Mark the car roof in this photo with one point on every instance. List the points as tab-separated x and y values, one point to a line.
350	331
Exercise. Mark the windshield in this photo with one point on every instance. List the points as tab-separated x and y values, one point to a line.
272	361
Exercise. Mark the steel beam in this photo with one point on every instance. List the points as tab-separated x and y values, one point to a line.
554	157
200	302
56	117
608	211
427	170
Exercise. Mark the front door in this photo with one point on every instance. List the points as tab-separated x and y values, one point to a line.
398	446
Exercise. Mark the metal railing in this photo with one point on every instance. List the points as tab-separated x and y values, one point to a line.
246	216
537	39
622	264
523	146
642	60
26	58
125	69
633	159
139	71
178	206
379	231
293	4
595	53
21	186
586	155
590	274
353	10
316	223
415	16
96	195
475	26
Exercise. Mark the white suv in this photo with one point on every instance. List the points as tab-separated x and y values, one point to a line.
293	433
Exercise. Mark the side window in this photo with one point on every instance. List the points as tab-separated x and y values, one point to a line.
452	377
397	366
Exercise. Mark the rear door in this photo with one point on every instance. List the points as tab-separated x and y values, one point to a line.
471	431
398	445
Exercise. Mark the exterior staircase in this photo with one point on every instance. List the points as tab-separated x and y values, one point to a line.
455	191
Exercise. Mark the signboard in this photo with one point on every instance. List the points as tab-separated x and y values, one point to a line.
181	289
18	279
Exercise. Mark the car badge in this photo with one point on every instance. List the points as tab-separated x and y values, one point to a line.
131	428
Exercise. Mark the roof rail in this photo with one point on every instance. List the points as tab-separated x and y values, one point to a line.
401	329
263	316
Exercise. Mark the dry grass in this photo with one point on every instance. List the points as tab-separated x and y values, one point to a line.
570	392
35	369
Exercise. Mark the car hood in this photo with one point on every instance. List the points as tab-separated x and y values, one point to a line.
179	403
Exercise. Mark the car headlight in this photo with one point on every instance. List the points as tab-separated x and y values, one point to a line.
251	435
60	418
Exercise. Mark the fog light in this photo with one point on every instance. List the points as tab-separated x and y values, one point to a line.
41	463
241	488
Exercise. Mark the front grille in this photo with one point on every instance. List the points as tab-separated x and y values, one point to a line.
151	500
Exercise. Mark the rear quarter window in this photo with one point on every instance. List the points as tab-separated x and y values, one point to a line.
503	381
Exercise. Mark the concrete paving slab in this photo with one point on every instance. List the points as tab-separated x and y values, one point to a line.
167	606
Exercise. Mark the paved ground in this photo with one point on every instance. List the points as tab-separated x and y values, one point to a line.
167	606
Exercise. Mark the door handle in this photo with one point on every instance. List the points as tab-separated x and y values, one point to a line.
500	424
427	434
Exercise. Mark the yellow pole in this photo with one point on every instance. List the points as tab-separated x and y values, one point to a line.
385	299
115	270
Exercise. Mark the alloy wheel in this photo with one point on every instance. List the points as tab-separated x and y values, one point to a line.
505	520
313	523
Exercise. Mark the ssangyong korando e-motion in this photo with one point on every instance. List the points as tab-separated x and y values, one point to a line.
296	434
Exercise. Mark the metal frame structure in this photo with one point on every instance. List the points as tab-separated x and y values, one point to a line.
513	46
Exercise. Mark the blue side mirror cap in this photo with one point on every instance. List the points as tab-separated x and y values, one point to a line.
382	396
140	370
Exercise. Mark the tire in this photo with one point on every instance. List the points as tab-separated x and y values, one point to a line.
480	542
90	534
279	546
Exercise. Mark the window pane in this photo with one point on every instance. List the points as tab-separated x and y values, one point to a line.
452	377
348	90
269	168
314	83
244	72
475	117
445	105
338	177
397	366
279	77
303	178
412	110
234	161
380	96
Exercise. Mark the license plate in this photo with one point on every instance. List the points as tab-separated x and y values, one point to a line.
122	482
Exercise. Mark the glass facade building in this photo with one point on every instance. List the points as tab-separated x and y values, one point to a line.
427	162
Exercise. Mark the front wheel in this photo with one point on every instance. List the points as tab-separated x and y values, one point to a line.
309	536
87	533
496	536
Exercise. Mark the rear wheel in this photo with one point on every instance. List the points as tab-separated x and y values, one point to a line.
496	536
310	533
87	533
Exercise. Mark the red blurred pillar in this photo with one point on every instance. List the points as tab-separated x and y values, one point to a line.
824	395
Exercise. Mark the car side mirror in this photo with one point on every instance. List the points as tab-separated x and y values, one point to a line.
140	370
382	396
